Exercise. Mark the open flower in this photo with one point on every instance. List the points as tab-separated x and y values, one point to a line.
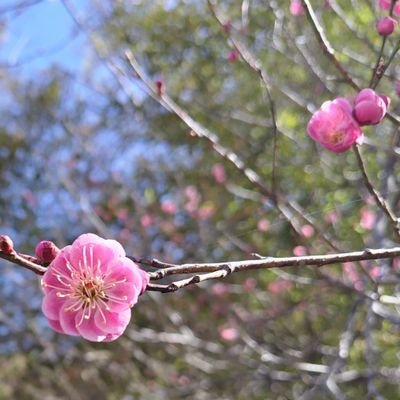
90	287
334	127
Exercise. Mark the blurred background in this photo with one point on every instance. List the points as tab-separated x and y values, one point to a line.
83	148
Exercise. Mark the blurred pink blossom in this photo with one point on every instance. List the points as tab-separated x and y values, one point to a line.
334	127
375	272
233	56
307	230
146	220
229	334
249	284
169	207
352	275
368	219
331	217
206	211
263	225
279	286
193	196
90	288
299	251
219	289
218	172
385	5
296	8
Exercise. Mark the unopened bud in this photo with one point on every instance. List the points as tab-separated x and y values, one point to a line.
386	26
46	251
227	26
6	244
159	86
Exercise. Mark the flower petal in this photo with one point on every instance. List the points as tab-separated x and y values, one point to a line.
122	297
55	325
67	319
112	323
88	329
52	304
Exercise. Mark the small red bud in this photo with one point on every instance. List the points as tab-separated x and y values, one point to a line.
159	86
233	56
46	251
6	245
227	26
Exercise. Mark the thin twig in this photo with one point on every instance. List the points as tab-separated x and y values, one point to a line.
274	262
380	201
326	46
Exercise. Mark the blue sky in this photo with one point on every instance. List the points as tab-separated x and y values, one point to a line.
41	35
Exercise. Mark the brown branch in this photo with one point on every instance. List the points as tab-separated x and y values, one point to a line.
24	261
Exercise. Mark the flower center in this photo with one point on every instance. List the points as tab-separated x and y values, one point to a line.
335	137
91	290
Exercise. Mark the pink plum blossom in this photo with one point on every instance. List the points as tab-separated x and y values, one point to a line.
370	107
334	127
296	8
90	288
386	25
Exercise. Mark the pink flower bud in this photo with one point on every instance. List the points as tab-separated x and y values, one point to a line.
6	245
334	127
386	26
296	8
46	251
370	107
233	56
